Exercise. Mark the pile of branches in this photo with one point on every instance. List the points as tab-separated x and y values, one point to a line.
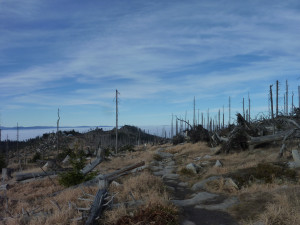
247	135
198	133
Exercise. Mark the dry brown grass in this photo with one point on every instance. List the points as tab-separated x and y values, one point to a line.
144	187
285	210
125	160
26	197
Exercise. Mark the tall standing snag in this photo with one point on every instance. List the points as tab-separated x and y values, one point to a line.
117	112
277	90
57	129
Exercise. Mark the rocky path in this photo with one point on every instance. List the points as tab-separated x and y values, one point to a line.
198	206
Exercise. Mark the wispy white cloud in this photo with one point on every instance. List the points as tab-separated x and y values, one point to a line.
163	50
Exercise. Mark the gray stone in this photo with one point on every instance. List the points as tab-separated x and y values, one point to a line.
155	168
169	188
230	183
218	164
197	158
115	183
164	154
170	163
201	185
192	167
170	176
207	157
183	184
187	222
197	199
205	163
221	206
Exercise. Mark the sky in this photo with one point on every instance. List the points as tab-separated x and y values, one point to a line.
159	55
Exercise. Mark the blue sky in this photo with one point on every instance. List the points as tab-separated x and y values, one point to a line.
73	55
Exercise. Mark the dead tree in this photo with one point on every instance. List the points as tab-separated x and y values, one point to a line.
249	102
57	129
287	97
229	108
277	90
117	114
271	100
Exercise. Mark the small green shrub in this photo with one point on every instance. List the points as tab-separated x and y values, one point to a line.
37	156
73	177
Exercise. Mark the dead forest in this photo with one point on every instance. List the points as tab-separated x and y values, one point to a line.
74	178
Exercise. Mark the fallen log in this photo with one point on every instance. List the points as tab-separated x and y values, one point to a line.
111	176
268	138
25	176
97	206
123	170
4	187
91	166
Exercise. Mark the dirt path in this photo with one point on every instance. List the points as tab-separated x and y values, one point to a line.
198	207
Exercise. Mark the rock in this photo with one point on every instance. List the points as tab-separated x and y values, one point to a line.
170	163
230	183
164	155
171	176
154	163
205	163
116	184
192	167
206	157
197	158
183	184
155	168
201	185
197	199
187	222
169	188
218	164
221	206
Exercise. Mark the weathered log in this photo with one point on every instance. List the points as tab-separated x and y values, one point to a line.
221	139
111	176
4	187
123	170
268	138
91	166
25	176
97	206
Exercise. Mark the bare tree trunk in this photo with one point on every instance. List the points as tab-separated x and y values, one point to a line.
244	107
117	114
287	98
249	101
57	129
229	107
277	90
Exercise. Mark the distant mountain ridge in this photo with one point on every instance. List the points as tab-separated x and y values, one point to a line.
47	127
